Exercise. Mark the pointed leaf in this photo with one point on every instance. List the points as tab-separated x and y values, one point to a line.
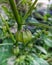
41	49
48	42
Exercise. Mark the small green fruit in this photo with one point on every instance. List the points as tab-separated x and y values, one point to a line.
23	36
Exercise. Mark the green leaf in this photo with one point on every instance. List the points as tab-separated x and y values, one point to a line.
5	53
34	62
32	20
48	42
7	40
38	61
41	61
41	49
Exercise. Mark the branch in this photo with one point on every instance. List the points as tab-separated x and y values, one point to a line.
7	26
30	10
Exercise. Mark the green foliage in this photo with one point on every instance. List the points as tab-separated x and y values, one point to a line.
5	53
36	49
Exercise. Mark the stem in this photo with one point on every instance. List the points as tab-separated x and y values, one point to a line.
6	44
11	35
44	26
15	12
30	10
7	11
